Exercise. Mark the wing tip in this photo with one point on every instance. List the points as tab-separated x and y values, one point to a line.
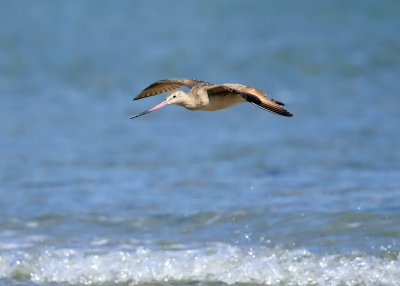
280	111
287	114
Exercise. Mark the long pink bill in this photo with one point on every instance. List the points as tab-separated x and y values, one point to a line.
158	106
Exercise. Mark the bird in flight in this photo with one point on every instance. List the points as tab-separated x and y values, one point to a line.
208	96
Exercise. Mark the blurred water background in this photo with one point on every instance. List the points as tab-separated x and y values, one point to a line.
240	196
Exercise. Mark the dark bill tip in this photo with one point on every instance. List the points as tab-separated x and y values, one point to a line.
140	114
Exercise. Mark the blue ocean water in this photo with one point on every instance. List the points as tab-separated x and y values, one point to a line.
238	196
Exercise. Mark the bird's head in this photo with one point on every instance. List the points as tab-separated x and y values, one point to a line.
176	97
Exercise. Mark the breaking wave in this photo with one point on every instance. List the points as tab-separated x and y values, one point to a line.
221	263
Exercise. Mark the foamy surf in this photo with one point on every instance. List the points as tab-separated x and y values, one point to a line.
219	263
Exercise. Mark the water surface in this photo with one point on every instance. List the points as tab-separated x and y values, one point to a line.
239	196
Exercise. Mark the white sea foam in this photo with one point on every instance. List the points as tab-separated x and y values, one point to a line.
216	263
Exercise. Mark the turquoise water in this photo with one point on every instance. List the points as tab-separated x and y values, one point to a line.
238	196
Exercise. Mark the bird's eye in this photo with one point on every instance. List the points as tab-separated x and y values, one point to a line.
174	96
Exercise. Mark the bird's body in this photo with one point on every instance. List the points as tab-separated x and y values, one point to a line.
208	96
221	102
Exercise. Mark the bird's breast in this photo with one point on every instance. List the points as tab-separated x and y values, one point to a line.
221	102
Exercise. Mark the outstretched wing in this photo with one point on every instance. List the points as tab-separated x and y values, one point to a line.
166	85
252	95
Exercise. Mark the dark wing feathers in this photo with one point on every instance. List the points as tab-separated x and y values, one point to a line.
267	104
278	102
252	95
166	85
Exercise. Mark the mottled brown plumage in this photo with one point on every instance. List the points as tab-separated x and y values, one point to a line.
208	96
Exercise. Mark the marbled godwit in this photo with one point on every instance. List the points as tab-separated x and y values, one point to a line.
208	96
